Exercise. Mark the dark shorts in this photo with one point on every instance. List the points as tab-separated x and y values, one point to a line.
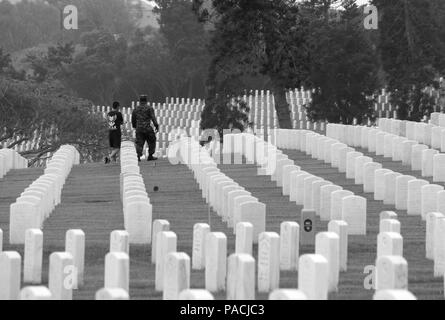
115	137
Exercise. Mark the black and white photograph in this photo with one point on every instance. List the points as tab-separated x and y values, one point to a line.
240	151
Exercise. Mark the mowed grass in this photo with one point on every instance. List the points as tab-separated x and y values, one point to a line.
91	202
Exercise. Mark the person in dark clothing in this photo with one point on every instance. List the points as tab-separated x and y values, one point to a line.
115	120
143	119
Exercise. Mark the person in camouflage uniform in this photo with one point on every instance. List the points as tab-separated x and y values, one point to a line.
143	119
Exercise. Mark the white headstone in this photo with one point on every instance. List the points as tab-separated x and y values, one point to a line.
23	216
402	191
287	294
389	244
195	294
316	189
268	261
394	295
139	217
372	140
35	293
240	277
336	203
343	158
441	201
119	241
397	154
406	151
313	276
439	248
287	174
327	244
200	231
439	167
388	215
380	143
389	225
216	261
436	133
299	199
159	225
341	229
360	163
335	154
255	213
10	266
165	243
112	294
231	199
369	170
325	201
390	187
117	271
392	273
427	162
431	223
176	275
388	145
428	198
351	158
62	275
32	260
379	183
416	156
244	238
354	214
415	196
75	244
295	177
289	245
307	197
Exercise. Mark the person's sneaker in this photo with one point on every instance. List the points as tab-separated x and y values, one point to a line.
151	158
107	160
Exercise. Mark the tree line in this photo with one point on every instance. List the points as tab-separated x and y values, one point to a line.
314	44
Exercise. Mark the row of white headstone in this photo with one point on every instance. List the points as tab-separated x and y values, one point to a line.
275	252
136	204
329	201
236	274
36	202
66	269
318	273
406	193
391	266
430	134
11	159
267	280
411	152
417	196
229	200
